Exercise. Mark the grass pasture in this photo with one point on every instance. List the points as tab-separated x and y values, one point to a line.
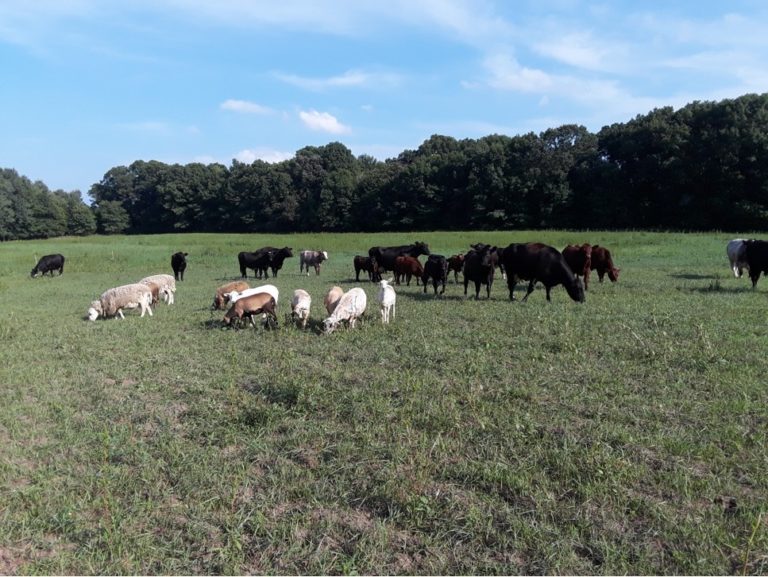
624	435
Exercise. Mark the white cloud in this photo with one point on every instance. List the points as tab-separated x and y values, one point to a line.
323	122
507	74
245	107
250	155
350	79
579	49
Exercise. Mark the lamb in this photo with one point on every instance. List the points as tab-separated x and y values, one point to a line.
386	298
332	298
167	285
350	307
235	295
300	304
112	302
260	303
223	293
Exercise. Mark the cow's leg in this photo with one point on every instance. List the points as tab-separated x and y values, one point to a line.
466	284
477	290
548	289
586	279
530	289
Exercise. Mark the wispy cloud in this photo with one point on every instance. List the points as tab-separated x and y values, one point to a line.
323	122
245	107
349	79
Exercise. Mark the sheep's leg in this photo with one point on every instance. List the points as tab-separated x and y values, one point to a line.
120	312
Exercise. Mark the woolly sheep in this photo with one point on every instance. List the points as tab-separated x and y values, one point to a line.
112	302
223	293
300	304
386	298
350	307
167	285
332	298
235	296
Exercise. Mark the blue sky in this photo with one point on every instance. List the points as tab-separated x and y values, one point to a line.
92	84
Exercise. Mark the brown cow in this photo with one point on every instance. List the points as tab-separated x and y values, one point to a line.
602	263
456	264
579	258
407	266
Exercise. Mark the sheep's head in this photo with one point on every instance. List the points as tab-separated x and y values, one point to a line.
95	311
329	325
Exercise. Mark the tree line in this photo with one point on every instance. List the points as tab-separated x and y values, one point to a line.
702	167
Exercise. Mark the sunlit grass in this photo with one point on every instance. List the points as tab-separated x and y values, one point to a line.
624	435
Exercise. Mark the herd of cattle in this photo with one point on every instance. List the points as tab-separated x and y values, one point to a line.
532	262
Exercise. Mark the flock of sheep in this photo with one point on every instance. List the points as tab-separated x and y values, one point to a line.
245	303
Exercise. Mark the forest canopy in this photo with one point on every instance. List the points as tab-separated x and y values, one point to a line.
702	167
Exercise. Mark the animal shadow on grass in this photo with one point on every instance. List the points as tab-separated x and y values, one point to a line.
693	276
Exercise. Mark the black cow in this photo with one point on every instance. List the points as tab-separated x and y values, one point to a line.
369	265
49	263
757	259
262	260
539	262
435	268
179	264
479	266
386	255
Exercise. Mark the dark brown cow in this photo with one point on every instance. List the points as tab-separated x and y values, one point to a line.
757	259
407	266
536	262
579	258
456	264
369	265
479	267
603	263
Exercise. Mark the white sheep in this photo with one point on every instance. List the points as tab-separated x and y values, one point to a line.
300	304
332	298
112	302
386	298
234	296
350	307
166	284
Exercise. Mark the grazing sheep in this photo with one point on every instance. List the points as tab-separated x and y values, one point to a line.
261	303
350	307
112	302
386	298
223	292
332	298
235	296
154	288
166	283
300	304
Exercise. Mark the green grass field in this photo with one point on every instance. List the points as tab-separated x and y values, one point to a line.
624	435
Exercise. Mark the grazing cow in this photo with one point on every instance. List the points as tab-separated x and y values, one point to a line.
179	264
603	263
539	262
48	264
407	266
369	265
456	264
579	258
386	255
436	268
479	267
737	255
757	259
312	258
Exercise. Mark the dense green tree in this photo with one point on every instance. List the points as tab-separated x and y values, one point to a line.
112	218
